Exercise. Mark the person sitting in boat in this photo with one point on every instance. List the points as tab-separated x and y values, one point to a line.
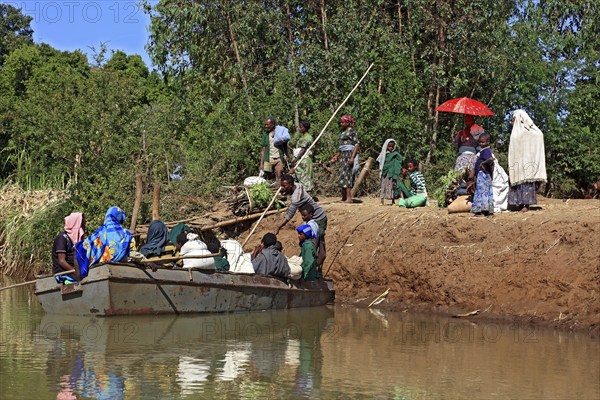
110	243
64	245
221	262
188	244
158	243
308	252
267	260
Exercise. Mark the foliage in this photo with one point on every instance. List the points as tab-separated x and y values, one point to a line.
224	67
15	30
261	195
443	184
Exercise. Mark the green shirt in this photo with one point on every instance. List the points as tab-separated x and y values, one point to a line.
308	252
265	143
221	264
392	165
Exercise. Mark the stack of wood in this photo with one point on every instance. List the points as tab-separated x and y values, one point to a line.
240	201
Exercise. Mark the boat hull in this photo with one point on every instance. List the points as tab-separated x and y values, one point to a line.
117	289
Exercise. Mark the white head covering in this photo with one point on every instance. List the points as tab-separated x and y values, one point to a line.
526	156
381	158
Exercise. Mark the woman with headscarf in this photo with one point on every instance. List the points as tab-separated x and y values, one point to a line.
63	247
110	243
526	161
347	156
390	165
466	143
304	169
157	243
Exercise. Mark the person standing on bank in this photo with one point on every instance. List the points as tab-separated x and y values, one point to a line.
526	161
274	150
64	245
347	157
390	166
303	169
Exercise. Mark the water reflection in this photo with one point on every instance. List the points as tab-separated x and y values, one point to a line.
306	353
91	356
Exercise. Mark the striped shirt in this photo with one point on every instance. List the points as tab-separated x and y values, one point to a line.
417	183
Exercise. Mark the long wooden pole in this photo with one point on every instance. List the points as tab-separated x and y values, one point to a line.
307	152
261	217
34	281
334	114
157	259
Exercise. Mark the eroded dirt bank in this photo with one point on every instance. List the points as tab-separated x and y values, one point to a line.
538	267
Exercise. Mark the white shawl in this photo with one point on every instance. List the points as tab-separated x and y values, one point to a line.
381	158
526	156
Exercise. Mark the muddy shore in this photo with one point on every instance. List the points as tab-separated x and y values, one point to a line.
540	267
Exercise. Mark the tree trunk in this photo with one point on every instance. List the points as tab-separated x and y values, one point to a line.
156	202
324	23
239	61
362	175
137	202
433	99
400	20
292	65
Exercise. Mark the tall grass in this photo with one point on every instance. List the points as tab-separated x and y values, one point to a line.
27	230
27	178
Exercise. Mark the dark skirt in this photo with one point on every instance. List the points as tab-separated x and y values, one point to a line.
346	177
523	194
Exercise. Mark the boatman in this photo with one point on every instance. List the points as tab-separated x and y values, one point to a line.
298	198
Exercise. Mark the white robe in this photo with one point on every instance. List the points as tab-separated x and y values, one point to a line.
500	188
196	248
526	156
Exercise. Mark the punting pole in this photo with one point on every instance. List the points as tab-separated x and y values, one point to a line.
310	148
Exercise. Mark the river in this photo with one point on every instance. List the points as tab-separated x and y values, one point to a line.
328	353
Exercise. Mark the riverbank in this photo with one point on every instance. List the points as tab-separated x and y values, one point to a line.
540	267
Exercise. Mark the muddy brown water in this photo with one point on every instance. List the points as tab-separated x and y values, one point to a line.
328	353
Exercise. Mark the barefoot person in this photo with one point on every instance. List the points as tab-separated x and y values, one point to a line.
390	165
482	177
347	157
274	150
526	161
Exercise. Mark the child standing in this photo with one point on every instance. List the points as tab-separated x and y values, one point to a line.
481	176
308	252
390	164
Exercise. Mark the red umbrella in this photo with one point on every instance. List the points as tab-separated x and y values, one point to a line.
465	105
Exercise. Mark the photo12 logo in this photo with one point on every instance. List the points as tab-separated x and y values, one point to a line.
54	12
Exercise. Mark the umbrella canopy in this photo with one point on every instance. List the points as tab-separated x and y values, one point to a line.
465	105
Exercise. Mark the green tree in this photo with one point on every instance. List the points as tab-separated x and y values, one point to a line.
15	30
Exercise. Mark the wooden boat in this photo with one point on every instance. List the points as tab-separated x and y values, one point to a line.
127	289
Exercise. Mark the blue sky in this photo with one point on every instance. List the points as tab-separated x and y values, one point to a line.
78	24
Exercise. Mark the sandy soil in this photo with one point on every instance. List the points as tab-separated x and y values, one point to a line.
538	267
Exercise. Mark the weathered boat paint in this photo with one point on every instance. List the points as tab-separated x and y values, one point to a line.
123	289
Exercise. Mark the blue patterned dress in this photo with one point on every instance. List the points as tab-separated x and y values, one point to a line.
483	200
